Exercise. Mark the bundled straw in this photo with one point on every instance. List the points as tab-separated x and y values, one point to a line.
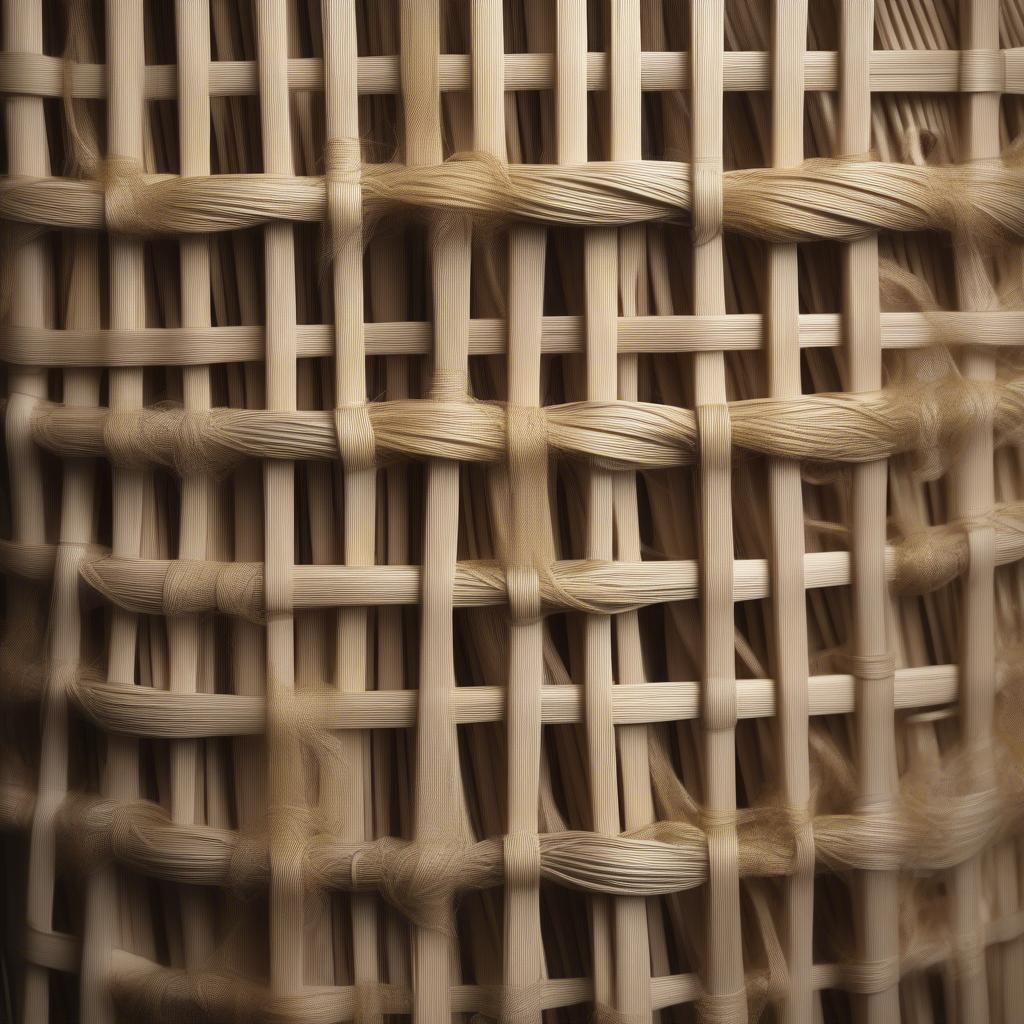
514	509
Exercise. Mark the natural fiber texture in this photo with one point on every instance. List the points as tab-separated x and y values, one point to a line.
820	199
515	509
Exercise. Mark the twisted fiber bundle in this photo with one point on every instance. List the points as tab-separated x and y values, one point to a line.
581	576
923	417
932	827
840	200
936	822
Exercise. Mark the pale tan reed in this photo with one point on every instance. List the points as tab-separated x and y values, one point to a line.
514	510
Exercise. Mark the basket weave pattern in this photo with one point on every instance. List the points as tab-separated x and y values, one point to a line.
493	528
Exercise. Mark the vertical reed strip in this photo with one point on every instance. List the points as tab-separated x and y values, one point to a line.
601	309
724	977
78	526
389	289
439	815
320	491
642	295
973	495
347	798
633	958
236	285
31	291
530	517
389	299
655	260
287	798
105	920
871	663
530	545
185	635
789	600
237	289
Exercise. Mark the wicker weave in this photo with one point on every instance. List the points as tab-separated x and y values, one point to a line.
493	530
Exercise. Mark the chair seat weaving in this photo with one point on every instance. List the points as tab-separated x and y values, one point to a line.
513	510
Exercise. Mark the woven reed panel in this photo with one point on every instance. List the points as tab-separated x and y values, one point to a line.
512	511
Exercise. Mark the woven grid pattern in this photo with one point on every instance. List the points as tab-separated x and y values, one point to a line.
574	578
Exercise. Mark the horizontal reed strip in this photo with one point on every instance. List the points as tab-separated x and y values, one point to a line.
920	563
561	335
928	71
141	711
